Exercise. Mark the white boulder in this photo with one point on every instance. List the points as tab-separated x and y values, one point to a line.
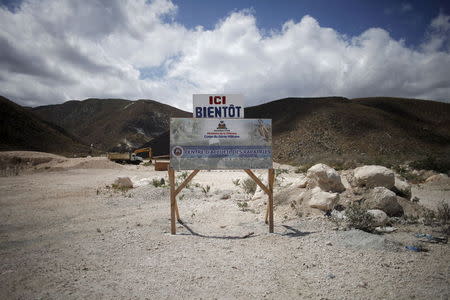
300	182
379	217
402	188
123	182
374	176
324	177
322	200
385	200
437	178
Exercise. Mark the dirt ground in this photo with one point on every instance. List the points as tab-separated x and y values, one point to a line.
66	234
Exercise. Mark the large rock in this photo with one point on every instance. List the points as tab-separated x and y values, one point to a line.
324	177
322	200
300	183
402	188
123	182
440	178
385	200
411	209
379	217
373	176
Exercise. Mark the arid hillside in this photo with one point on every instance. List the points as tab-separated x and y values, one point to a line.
305	130
330	129
20	129
111	124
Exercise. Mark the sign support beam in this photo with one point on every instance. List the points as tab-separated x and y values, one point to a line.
174	191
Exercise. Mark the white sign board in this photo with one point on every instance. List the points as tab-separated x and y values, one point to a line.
208	144
219	106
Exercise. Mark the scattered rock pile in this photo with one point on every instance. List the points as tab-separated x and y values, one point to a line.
379	190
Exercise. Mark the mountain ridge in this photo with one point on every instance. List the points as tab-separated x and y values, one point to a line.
304	129
20	129
111	124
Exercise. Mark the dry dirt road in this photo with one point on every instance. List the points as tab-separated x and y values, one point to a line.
65	235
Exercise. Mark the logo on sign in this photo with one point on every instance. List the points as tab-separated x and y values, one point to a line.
221	125
177	151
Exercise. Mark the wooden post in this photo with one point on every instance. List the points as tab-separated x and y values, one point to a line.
177	213
269	191
270	210
173	228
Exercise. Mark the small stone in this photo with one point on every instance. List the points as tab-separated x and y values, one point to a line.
123	182
362	284
329	244
331	276
98	230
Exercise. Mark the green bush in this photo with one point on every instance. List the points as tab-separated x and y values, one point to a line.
159	182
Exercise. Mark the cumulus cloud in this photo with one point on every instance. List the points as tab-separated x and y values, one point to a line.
56	50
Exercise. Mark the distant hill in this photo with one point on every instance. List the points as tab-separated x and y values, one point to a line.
112	124
305	130
337	130
20	129
371	129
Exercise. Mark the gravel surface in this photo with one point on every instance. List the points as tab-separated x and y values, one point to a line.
67	234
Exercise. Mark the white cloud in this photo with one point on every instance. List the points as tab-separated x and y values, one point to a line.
55	50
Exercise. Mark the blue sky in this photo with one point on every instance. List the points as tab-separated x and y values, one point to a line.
57	50
406	20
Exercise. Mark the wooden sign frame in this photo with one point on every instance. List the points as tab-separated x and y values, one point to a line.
174	191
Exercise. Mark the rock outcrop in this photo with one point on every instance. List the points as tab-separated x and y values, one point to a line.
322	200
385	200
402	188
379	217
324	177
123	182
374	176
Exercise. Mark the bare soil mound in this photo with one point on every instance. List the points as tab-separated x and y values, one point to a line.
13	163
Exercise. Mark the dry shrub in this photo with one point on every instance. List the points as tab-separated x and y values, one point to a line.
359	218
249	186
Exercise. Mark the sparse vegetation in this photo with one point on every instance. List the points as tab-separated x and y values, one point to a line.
183	175
159	182
206	189
443	213
249	186
429	217
242	204
359	218
280	171
303	168
407	173
236	182
119	188
431	163
181	178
